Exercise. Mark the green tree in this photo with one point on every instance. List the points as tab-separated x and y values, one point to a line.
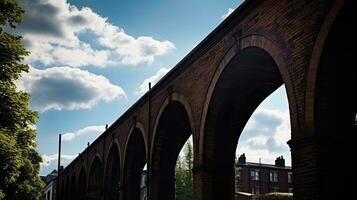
189	165
183	174
19	161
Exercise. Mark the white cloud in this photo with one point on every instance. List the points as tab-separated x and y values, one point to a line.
253	155
47	159
52	33
265	136
89	130
68	88
144	86
258	141
229	11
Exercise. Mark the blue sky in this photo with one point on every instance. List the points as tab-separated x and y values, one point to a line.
91	60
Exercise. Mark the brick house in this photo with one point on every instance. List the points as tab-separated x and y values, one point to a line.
259	178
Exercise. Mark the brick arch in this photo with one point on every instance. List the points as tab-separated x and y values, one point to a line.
279	55
331	121
133	164
112	175
114	142
67	187
140	126
257	63
96	155
173	127
315	60
175	96
82	183
73	189
62	188
95	178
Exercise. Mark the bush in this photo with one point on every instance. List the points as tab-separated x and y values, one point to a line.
277	196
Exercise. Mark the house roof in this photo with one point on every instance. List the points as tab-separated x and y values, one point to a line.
251	164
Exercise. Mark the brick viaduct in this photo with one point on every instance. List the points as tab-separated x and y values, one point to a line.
212	92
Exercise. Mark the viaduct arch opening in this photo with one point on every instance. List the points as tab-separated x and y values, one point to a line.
62	189
249	77
72	190
335	104
172	131
112	174
263	158
67	194
135	160
95	178
82	184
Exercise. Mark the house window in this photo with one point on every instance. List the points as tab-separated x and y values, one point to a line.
255	175
290	177
274	177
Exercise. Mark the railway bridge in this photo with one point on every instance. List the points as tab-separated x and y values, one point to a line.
306	45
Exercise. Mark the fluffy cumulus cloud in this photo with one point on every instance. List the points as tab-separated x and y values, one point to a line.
48	159
89	130
265	136
229	11
52	30
152	79
68	88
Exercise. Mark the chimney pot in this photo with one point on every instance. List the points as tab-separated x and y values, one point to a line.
242	159
280	161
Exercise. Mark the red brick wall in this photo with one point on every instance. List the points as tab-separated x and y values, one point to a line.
292	32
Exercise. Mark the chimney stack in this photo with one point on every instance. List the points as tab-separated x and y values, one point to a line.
241	159
280	161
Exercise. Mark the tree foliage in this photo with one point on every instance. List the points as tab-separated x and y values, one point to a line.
183	174
277	196
19	161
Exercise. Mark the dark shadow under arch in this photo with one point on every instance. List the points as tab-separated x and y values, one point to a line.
249	77
95	177
112	174
134	163
172	132
336	105
82	184
72	190
63	190
67	194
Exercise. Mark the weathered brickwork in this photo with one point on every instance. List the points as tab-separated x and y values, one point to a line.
211	94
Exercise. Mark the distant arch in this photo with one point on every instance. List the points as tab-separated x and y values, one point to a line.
134	162
73	188
67	195
172	130
174	97
112	173
137	127
95	177
63	189
82	184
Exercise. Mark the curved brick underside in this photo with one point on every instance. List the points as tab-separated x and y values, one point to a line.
212	92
